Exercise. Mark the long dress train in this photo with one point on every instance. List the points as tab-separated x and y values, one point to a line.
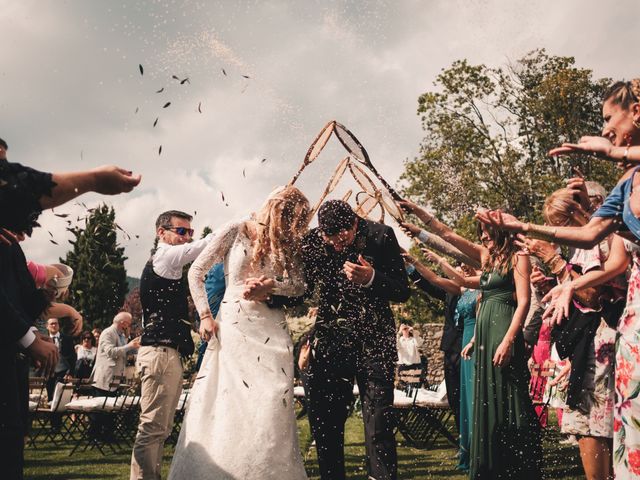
240	421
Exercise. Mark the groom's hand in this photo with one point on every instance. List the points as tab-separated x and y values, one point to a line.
359	273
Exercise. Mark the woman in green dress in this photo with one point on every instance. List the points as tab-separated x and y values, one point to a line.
505	434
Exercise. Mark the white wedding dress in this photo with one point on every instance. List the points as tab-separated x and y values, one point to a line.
240	421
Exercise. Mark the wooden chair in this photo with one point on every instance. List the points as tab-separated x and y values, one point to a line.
423	415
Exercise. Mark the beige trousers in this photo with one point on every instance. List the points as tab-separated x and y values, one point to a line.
160	370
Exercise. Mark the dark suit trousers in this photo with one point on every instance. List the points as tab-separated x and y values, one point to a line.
329	398
452	381
12	423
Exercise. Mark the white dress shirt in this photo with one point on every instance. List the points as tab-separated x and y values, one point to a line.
169	260
408	353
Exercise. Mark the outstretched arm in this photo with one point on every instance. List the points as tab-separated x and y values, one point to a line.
107	180
587	236
430	276
443	231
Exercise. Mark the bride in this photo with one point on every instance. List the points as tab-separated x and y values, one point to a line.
240	422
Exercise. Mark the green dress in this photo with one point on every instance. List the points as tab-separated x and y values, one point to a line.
505	436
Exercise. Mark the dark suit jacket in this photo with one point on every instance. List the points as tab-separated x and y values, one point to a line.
451	334
355	328
67	352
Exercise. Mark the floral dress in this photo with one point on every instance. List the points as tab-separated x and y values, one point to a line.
626	425
593	416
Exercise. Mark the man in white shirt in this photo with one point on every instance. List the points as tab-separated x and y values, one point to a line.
166	336
409	343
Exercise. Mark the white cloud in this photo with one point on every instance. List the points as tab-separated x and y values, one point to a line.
70	84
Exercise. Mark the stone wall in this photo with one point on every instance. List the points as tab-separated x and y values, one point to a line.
431	334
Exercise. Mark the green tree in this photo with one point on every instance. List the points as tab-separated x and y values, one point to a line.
487	134
99	282
488	131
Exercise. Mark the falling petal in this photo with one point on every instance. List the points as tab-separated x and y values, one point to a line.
160	150
137	108
156	122
222	195
166	105
225	73
186	80
268	338
175	77
141	69
53	241
161	90
245	384
263	160
246	76
244	174
61	215
200	107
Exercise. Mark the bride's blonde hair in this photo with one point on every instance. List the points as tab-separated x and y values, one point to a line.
281	223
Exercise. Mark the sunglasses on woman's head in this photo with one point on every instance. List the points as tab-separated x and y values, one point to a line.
180	230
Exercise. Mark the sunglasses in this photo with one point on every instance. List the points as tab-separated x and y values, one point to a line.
180	230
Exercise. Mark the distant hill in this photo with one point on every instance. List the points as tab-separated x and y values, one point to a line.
132	282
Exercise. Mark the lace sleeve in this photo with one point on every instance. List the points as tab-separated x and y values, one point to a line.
294	284
213	253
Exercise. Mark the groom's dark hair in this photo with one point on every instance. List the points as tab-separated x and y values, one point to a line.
335	216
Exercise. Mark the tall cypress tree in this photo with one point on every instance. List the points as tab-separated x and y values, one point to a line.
99	283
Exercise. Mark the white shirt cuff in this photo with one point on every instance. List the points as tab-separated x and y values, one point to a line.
370	282
423	236
28	338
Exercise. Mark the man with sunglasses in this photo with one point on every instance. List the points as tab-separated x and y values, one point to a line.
166	337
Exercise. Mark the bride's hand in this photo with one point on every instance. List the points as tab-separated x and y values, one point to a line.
208	327
258	289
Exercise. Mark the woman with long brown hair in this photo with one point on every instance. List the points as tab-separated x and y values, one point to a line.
244	389
505	434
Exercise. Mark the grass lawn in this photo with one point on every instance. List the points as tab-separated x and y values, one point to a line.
51	462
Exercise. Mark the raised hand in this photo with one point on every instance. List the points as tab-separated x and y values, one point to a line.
598	146
499	219
112	180
359	273
410	229
559	299
409	207
545	251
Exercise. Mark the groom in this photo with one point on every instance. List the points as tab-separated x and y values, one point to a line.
356	268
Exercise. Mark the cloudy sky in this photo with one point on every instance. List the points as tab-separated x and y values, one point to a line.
70	88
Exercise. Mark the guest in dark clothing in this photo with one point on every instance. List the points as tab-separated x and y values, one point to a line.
65	365
24	192
451	342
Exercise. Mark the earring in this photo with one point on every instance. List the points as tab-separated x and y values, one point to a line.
636	123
